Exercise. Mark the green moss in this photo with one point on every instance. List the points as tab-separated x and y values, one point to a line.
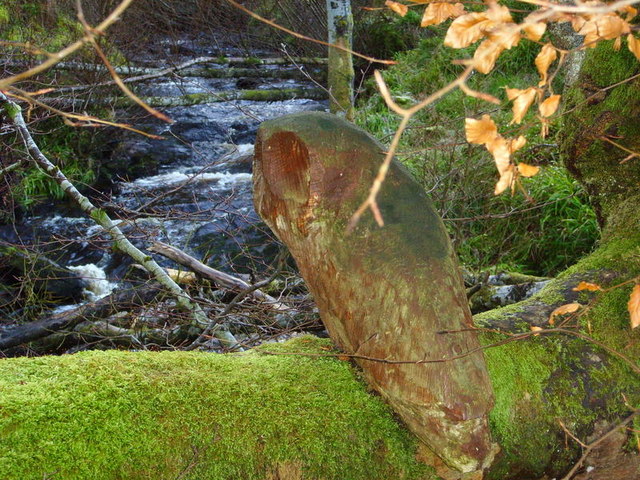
150	415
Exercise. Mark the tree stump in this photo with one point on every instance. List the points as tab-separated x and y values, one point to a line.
386	293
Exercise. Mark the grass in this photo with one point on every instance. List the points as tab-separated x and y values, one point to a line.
557	225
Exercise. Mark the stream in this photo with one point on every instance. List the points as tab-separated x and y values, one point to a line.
192	189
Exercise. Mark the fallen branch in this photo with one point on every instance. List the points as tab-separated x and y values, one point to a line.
221	278
13	112
15	335
273	95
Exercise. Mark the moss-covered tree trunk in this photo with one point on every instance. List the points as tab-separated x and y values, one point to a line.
340	70
383	293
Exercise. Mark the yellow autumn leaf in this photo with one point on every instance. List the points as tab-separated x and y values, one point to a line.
563	310
634	306
534	30
590	287
399	8
634	45
499	149
617	44
533	328
481	131
544	59
549	106
438	12
471	27
527	170
517	144
507	35
485	56
466	30
611	26
630	11
506	180
522	100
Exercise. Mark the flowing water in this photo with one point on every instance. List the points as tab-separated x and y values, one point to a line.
192	189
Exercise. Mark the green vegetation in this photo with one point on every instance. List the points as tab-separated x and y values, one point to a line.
152	415
541	233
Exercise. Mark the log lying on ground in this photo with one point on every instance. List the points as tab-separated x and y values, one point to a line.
13	335
172	415
51	281
223	279
382	292
274	95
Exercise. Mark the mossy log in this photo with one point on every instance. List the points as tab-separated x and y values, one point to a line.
382	293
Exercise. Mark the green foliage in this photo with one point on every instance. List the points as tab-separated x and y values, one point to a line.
66	148
145	415
549	233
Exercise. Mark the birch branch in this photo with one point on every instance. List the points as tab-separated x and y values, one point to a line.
221	278
98	215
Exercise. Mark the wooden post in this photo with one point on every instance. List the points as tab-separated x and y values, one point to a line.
385	292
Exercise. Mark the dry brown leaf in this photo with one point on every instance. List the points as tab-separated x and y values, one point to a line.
544	127
483	131
590	287
485	56
630	11
501	152
517	144
634	306
399	8
466	30
522	100
507	35
534	31
535	329
527	170
611	26
438	12
634	45
617	44
563	310
471	27
544	59
549	106
506	180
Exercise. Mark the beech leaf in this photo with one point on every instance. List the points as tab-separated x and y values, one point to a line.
544	59
438	12
483	131
522	100
466	30
611	26
534	31
634	45
527	170
485	56
549	106
563	310
399	8
634	306
506	180
590	287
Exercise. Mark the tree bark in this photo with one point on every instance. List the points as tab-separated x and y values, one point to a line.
340	71
383	293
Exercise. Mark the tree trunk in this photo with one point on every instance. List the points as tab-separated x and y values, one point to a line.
382	293
340	70
371	287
